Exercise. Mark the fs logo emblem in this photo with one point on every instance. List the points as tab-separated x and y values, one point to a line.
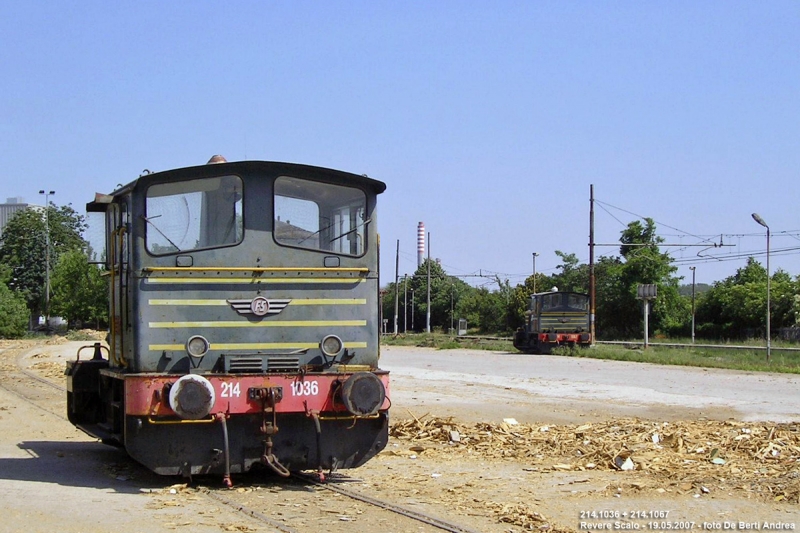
258	306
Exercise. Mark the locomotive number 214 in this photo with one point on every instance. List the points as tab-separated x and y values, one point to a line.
230	390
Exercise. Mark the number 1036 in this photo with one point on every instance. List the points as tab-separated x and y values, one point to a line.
305	388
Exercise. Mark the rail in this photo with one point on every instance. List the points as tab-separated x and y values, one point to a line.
424	518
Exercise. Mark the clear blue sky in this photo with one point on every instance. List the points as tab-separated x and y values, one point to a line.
487	120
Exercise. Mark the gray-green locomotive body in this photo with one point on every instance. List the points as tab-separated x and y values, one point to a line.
244	321
554	319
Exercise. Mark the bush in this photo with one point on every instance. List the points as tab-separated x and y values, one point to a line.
14	314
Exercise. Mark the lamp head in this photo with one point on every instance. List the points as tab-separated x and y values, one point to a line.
760	220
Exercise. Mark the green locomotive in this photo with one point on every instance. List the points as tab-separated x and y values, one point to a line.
244	321
554	319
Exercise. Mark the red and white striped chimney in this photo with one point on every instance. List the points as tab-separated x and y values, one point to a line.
420	243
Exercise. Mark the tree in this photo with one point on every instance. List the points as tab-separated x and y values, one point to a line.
645	264
13	311
612	303
23	248
441	286
80	293
737	306
444	291
485	310
572	277
635	236
451	299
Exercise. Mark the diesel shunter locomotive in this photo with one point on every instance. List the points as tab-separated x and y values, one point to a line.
554	319
243	321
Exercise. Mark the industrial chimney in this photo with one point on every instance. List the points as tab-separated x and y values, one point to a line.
420	243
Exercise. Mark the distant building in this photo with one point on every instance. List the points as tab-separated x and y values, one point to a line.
8	209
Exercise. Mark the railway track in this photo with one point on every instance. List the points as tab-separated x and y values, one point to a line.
299	493
306	496
404	511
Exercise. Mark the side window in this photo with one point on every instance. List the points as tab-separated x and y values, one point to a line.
194	214
320	216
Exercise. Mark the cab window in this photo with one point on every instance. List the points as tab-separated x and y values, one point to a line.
577	301
194	214
320	216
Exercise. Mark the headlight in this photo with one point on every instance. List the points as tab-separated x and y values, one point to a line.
363	394
192	397
197	346
331	346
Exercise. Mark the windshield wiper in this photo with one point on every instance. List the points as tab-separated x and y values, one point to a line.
352	230
177	249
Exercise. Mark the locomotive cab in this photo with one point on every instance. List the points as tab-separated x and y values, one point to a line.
244	321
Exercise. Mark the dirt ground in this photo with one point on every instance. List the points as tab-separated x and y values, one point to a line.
473	451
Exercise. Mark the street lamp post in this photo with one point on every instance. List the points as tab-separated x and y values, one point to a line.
405	303
412	309
693	273
428	301
534	272
760	220
452	291
46	255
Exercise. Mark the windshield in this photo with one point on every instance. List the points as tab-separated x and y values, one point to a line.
578	301
188	215
320	216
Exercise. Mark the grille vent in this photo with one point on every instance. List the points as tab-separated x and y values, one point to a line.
283	363
245	364
257	363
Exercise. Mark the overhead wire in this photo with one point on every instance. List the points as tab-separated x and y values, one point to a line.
718	256
699	258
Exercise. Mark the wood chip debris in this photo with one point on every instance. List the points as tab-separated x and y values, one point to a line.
521	515
759	458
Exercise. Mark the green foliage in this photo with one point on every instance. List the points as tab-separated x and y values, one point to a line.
737	306
484	310
618	309
568	351
412	292
572	277
14	314
80	293
613	316
637	235
23	248
451	299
